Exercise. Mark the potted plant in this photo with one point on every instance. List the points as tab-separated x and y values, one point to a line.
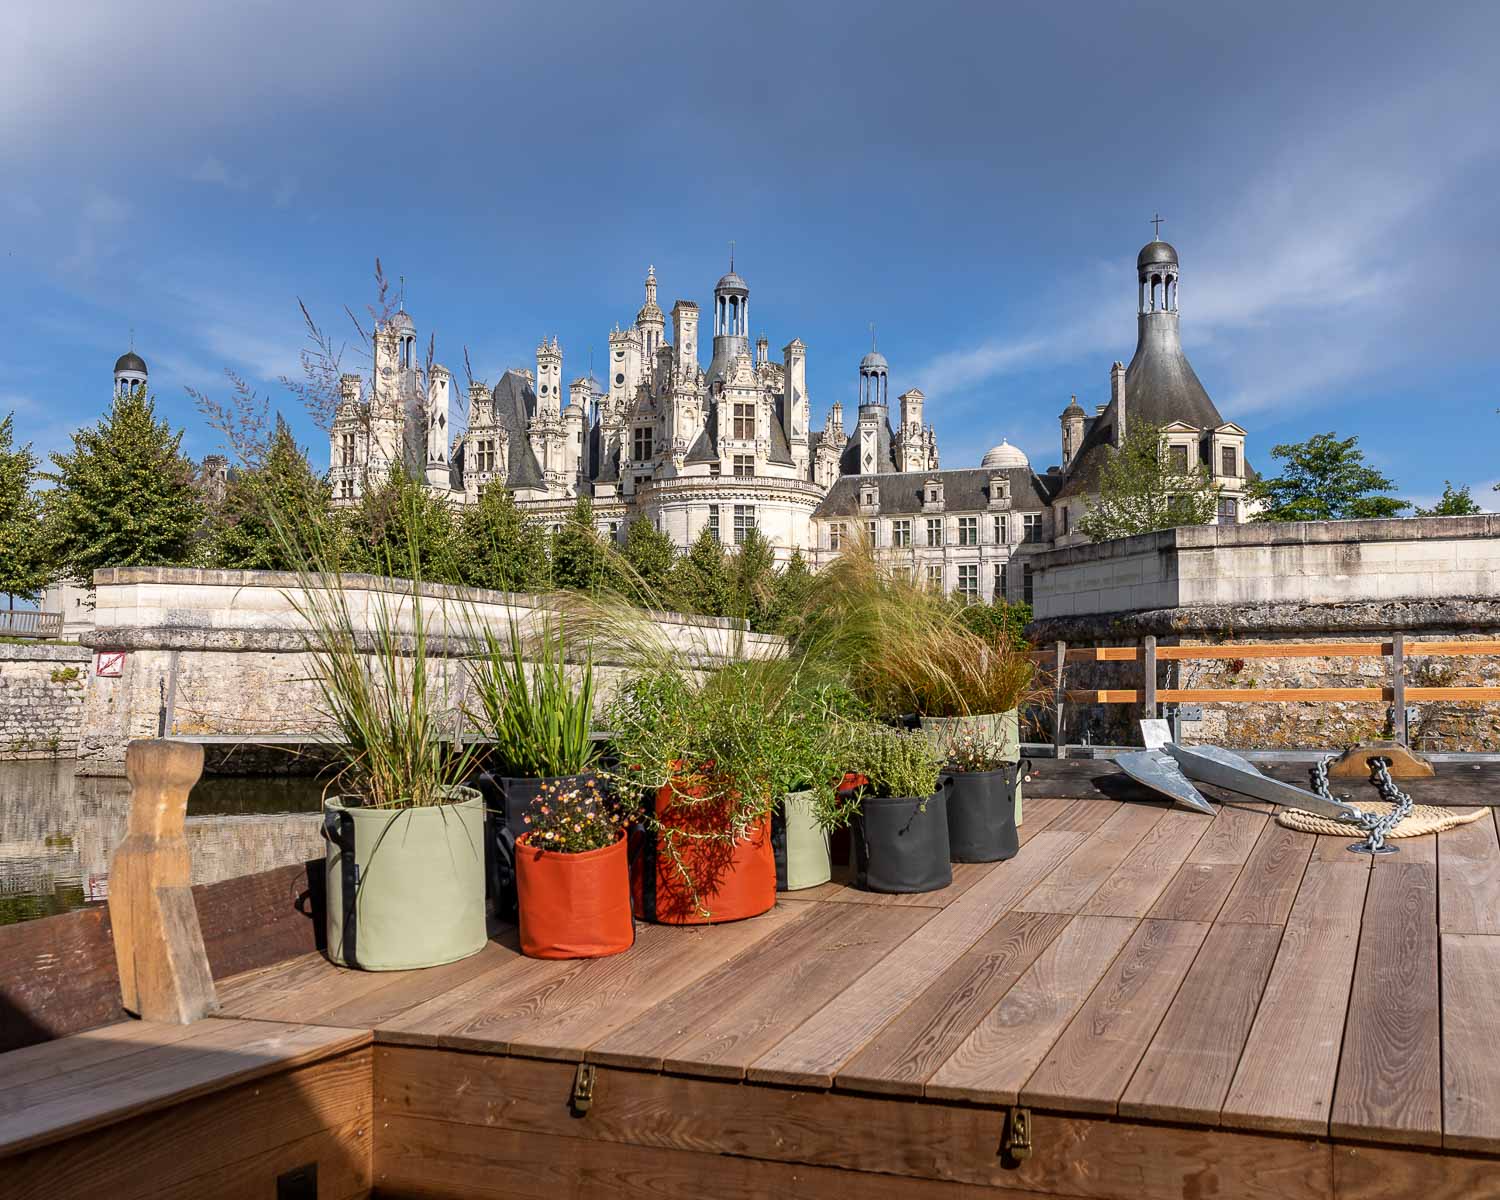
573	874
809	784
900	816
981	798
536	714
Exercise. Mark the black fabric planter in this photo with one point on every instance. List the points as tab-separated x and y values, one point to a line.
982	813
900	847
506	803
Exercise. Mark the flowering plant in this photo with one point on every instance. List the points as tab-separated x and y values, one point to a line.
967	752
576	818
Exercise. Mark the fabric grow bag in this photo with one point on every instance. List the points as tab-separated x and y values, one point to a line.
901	844
800	845
507	801
405	885
981	813
1002	727
730	881
574	905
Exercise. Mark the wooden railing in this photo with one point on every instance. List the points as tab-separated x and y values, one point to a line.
1150	697
27	622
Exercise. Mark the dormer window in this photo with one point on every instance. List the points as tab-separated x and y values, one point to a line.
932	493
869	497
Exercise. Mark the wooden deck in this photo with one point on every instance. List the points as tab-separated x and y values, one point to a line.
1189	1005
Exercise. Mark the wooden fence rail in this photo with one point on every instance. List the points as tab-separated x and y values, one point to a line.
28	622
1150	697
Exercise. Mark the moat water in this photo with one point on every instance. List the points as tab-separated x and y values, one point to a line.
58	830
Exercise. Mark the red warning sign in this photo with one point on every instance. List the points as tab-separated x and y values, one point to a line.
110	664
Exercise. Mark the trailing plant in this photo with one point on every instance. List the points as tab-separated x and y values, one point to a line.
895	763
539	718
577	818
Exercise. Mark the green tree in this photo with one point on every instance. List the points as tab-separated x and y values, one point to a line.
650	558
402	530
791	591
273	515
124	496
1453	503
579	556
752	573
1326	479
700	580
1142	490
500	547
23	563
999	616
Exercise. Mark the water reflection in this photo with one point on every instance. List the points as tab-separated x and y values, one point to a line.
57	831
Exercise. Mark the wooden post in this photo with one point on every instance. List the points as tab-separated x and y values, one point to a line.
164	972
1059	699
1398	687
1148	668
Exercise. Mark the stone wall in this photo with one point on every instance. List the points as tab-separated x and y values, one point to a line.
223	652
1433	579
42	689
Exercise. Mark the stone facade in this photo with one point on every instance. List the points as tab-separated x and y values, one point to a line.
1431	578
41	699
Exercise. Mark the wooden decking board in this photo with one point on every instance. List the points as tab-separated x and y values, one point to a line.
721	1023
1268	883
994	1062
903	1055
1137	882
1286	1074
1390	1079
813	1054
1196	893
1334	848
80	1051
965	876
1083	816
1186	1072
1074	882
1469	878
1471	1066
219	1053
1233	833
285	991
1090	1065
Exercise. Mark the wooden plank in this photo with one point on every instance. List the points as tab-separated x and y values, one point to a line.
1084	816
826	1041
1074	882
738	1011
289	990
1137	882
1232	835
59	977
1471	1068
1186	1072
993	1063
1196	892
224	1053
219	1144
1389	1085
1103	696
1286	1075
1233	650
47	1060
903	1055
965	876
564	1014
1100	1159
1462	695
1469	878
1274	695
1089	1066
1267	886
1379	1173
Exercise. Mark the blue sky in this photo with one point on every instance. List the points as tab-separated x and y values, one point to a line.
975	179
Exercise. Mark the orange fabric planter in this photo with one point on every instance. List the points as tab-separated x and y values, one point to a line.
731	881
574	905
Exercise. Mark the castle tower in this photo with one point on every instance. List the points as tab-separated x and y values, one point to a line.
130	373
798	418
762	350
549	378
624	368
912	454
1160	381
1071	419
437	427
731	322
685	336
650	322
874	383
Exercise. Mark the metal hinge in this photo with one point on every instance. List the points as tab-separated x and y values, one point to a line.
583	1090
1017	1144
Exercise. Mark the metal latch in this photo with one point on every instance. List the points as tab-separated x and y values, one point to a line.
583	1090
1017	1144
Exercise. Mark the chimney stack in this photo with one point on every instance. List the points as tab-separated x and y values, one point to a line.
1117	397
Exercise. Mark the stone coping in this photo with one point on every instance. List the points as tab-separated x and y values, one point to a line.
45	652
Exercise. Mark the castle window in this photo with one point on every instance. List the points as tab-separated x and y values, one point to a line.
968	580
935	576
744	521
872	531
1178	457
1228	461
1026	590
934	531
744	465
1031	527
901	532
713	522
1002	530
1001	580
642	444
968	531
1229	511
347	443
619	377
1062	516
744	421
836	535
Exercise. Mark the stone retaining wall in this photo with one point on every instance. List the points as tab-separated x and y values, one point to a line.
42	688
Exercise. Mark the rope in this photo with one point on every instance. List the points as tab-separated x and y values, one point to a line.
1376	826
1424	819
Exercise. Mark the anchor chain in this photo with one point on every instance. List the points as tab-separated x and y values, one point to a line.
1375	826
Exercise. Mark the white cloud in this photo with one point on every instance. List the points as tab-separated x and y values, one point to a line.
97	232
212	171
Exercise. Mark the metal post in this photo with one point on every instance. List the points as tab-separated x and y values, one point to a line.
1059	699
1398	687
1148	669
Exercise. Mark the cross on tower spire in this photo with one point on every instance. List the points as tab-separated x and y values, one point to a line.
872	335
731	256
1156	223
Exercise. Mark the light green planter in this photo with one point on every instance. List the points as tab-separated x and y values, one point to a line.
1003	727
807	861
405	885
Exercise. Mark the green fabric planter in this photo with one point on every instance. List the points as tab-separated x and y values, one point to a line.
1003	727
807	861
405	885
